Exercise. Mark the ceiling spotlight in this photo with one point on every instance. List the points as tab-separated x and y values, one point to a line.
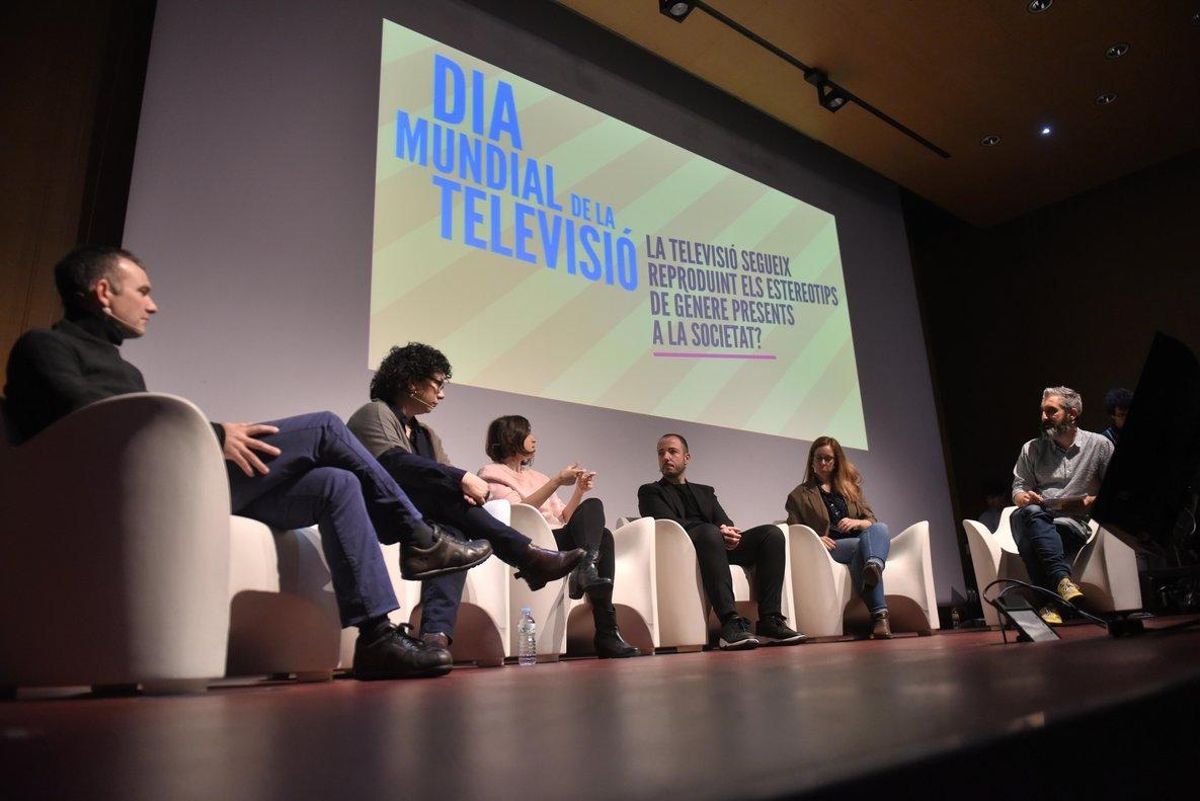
991	140
829	95
1117	50
675	9
1104	98
1045	130
1038	6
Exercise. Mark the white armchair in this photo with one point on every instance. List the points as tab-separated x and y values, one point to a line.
824	594
283	615
116	523
1105	568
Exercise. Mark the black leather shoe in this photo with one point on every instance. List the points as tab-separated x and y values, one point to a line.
584	577
447	555
610	645
393	654
539	565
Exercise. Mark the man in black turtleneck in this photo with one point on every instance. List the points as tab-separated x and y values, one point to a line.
288	473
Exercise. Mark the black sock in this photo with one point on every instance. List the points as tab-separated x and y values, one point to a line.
422	534
372	629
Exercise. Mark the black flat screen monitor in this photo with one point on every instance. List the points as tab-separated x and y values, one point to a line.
1149	491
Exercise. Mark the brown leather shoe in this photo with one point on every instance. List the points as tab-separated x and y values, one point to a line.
539	565
881	628
446	555
437	639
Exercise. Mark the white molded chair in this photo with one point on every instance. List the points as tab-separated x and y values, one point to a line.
684	613
481	631
633	592
1105	568
116	523
825	598
547	605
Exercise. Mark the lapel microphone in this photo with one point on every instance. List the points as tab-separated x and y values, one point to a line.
129	328
428	406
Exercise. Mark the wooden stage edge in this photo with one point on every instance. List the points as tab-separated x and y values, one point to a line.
957	715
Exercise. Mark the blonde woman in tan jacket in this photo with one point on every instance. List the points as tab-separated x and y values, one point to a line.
830	502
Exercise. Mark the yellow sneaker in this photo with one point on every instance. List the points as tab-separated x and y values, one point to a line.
1048	614
1068	590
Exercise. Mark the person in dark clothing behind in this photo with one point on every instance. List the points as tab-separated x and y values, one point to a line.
1116	403
286	473
410	382
718	545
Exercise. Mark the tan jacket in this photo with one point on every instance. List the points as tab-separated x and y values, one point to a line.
379	430
804	506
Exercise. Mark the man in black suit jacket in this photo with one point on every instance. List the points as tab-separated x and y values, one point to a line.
719	543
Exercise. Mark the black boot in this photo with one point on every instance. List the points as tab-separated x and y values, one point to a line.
610	645
585	578
608	640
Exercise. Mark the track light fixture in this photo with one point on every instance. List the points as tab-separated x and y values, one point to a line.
831	96
675	9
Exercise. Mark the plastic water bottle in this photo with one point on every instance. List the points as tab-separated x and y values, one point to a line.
526	638
955	617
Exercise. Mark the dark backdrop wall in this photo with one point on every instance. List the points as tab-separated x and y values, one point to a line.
69	104
1069	294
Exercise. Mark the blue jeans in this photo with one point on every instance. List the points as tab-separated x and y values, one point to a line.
325	476
1045	546
873	542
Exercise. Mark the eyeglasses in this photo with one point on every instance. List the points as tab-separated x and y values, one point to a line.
438	383
824	459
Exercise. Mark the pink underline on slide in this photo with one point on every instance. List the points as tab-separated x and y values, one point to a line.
671	355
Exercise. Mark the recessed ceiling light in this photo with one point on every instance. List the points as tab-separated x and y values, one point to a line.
1117	50
1045	130
1038	6
991	140
1104	98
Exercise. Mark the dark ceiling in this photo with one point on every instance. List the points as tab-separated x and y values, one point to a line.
955	71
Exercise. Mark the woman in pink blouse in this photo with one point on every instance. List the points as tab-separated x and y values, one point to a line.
578	523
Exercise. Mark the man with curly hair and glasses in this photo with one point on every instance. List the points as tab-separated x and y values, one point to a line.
411	382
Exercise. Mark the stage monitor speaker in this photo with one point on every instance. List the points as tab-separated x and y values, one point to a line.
1029	625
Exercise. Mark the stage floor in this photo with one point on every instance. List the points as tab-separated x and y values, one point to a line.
932	714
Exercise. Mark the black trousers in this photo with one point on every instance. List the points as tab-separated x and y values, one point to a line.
586	529
761	548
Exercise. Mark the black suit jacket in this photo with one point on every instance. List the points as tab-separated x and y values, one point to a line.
659	501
